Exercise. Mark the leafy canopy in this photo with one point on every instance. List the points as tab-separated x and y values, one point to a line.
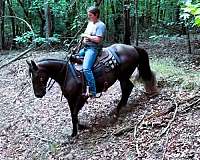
191	12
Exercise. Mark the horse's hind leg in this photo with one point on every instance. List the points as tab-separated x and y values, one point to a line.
126	87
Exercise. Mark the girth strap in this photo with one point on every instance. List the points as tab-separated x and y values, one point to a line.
72	69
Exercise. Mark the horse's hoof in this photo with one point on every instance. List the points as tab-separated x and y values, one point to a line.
152	94
82	127
74	134
115	114
70	140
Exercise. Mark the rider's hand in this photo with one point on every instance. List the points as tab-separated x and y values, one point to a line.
86	39
85	35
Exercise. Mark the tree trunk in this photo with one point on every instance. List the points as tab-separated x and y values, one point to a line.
46	15
177	15
42	19
158	11
52	23
136	22
148	12
116	23
188	41
1	24
12	13
97	2
127	32
21	2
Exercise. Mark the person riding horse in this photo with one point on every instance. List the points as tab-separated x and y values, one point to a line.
93	37
130	58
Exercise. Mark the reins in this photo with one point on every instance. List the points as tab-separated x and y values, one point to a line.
77	48
67	58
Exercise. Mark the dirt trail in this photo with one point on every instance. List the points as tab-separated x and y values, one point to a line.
32	128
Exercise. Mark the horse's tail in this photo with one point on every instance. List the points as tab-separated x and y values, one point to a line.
145	73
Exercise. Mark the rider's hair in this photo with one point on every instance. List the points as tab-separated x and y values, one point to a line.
94	10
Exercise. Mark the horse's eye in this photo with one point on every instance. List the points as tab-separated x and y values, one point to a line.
41	79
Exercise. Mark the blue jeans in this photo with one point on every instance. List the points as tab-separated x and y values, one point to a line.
89	54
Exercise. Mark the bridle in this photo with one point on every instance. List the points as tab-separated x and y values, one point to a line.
67	58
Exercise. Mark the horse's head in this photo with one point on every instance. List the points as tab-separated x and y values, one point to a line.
39	78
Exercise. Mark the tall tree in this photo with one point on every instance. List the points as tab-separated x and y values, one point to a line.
1	24
116	21
12	13
158	11
46	8
136	22
127	32
26	13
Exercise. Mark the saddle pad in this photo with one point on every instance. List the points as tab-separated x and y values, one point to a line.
105	55
106	58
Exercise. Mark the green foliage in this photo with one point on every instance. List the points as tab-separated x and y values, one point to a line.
168	71
68	16
191	13
158	38
53	147
27	37
77	23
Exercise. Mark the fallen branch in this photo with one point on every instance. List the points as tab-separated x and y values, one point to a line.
123	130
165	149
194	103
167	129
17	58
190	106
26	51
38	137
128	128
136	141
22	90
135	134
159	114
170	122
29	26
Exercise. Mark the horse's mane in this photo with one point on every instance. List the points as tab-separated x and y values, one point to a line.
49	60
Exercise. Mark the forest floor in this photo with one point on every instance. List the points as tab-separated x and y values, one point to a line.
166	126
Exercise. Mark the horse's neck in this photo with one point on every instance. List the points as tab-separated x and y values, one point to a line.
56	70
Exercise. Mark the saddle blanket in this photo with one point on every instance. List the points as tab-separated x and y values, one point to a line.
107	58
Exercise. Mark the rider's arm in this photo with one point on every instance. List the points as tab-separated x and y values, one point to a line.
96	39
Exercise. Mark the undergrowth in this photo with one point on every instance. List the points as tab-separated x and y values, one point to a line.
169	74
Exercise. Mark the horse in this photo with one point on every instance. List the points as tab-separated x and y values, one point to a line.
72	86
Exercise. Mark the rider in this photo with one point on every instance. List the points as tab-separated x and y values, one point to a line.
92	41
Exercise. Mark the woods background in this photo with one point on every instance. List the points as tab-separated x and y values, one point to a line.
166	126
135	19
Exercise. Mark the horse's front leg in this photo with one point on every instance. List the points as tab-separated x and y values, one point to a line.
74	117
75	106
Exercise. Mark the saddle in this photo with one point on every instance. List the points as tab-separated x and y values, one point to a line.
107	58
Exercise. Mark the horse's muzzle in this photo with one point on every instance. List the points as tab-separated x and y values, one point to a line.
40	95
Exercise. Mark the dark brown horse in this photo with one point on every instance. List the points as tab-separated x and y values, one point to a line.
71	86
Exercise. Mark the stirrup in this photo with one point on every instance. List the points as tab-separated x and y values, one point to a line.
88	94
76	59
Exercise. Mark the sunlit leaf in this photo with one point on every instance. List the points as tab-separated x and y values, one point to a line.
185	16
197	20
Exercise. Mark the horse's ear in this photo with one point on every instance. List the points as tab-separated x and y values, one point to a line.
34	66
29	64
30	68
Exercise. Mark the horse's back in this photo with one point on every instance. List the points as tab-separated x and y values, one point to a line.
126	53
123	48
